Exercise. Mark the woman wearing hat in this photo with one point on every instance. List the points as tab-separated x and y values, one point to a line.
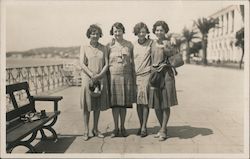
142	51
94	90
122	77
162	92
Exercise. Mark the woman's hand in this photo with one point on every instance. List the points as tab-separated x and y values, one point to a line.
96	77
173	41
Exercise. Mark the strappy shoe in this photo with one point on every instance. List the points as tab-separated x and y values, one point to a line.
85	136
98	134
163	136
144	133
115	133
124	132
157	135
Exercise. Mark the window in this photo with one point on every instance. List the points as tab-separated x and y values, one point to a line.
232	29
222	25
226	23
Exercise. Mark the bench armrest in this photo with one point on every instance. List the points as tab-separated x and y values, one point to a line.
55	99
47	98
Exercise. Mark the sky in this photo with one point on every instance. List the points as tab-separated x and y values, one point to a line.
34	24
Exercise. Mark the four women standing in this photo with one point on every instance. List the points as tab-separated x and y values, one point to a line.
128	82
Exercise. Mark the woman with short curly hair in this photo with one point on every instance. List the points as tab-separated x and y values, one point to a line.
162	92
142	51
122	77
94	89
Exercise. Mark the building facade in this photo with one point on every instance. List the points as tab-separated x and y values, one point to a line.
221	41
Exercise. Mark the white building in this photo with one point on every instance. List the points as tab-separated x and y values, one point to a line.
221	41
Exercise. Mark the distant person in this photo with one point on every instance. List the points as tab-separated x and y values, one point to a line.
142	52
122	77
94	91
162	92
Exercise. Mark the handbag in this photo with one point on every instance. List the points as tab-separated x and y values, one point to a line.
176	60
95	88
155	79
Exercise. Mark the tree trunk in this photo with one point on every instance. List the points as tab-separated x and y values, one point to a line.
204	49
187	53
242	56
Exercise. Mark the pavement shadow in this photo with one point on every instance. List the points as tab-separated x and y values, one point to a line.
59	146
186	131
182	132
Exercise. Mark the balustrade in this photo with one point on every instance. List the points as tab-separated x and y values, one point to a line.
40	78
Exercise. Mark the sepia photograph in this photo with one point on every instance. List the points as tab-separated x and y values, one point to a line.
124	79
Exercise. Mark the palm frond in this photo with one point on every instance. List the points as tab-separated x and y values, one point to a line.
204	24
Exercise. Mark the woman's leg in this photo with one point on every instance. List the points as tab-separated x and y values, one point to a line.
115	112
95	131
163	133
140	116
96	119
145	117
123	112
86	114
166	114
159	115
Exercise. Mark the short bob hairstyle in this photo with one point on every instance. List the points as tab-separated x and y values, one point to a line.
139	26
161	23
93	28
117	25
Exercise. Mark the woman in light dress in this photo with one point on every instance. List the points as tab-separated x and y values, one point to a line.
94	89
122	77
142	51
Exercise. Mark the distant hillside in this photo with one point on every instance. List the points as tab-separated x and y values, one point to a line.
47	52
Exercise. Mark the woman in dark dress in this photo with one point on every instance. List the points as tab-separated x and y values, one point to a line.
162	94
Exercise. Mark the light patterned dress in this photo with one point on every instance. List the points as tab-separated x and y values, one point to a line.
122	74
161	98
94	59
142	66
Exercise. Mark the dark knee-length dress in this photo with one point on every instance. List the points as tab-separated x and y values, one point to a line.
165	96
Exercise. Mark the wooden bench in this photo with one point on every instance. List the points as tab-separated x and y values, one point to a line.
17	130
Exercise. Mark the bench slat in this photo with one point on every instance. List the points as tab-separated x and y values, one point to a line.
18	112
23	130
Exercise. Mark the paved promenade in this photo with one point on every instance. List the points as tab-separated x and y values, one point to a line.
208	119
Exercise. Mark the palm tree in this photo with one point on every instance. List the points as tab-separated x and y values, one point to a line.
240	36
240	43
188	36
204	25
196	48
